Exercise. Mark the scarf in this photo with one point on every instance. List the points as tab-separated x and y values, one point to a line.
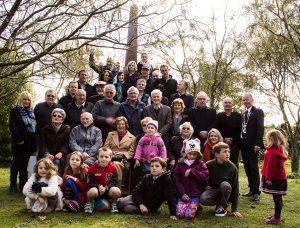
28	118
207	151
188	162
119	90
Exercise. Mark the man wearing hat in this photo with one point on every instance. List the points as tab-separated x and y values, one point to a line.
99	86
145	74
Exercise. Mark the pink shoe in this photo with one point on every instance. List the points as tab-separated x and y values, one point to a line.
268	217
273	221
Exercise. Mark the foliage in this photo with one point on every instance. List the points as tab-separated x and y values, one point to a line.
276	65
209	59
6	105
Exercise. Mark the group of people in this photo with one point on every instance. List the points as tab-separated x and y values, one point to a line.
143	131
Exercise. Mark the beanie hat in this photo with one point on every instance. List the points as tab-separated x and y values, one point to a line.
154	123
192	145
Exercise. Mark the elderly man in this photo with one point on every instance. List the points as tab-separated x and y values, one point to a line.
169	84
86	138
43	110
65	100
202	117
251	142
228	123
76	108
99	86
83	83
182	93
105	111
132	109
161	113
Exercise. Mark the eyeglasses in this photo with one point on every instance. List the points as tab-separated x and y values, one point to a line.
109	92
144	125
50	95
185	128
59	116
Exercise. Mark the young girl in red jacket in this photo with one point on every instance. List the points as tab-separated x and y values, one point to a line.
274	180
74	186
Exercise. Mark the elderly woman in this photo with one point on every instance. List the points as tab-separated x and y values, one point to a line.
132	75
22	127
55	140
178	117
185	133
121	143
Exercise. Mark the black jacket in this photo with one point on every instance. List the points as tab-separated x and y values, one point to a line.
152	193
73	113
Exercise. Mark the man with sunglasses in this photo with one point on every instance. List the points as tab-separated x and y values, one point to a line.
105	111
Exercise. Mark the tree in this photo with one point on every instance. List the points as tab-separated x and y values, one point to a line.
35	35
211	61
276	65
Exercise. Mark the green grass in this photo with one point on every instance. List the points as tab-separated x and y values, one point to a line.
13	213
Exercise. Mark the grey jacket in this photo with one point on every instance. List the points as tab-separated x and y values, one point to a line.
87	140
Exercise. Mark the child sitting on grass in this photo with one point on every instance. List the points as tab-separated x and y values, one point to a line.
42	189
190	177
102	181
151	192
74	184
222	182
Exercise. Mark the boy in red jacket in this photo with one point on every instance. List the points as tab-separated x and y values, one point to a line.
102	181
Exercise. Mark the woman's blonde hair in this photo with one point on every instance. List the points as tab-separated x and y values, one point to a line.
122	118
215	131
50	167
23	95
69	170
178	101
276	139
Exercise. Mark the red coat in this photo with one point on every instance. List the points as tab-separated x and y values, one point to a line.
273	167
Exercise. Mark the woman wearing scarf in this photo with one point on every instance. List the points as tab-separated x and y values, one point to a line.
213	137
121	88
22	127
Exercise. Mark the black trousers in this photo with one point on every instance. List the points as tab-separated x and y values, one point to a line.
234	153
250	160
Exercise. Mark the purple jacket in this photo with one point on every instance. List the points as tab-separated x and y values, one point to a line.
150	147
195	182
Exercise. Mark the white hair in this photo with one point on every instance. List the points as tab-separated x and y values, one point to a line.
132	89
156	92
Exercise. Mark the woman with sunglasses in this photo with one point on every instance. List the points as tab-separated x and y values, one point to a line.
185	133
22	125
55	140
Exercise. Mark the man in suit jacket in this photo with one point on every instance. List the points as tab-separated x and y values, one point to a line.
251	143
161	113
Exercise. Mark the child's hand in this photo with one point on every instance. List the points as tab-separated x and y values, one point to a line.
185	198
137	163
172	163
71	177
50	157
187	172
269	182
58	155
237	214
41	200
173	217
143	209
101	189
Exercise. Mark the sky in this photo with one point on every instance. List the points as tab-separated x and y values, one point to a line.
203	11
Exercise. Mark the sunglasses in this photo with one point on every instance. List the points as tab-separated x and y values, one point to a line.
144	125
185	128
109	92
59	116
50	96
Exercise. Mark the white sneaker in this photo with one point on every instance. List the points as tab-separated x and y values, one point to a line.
114	208
88	208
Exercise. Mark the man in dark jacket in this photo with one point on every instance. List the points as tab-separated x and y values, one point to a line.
65	100
76	108
83	84
182	93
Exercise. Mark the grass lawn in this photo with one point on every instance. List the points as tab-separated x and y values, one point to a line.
14	214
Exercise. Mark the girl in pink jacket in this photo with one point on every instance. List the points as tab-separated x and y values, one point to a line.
151	145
